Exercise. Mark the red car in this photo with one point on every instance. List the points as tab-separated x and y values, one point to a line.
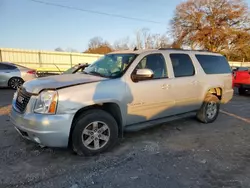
242	80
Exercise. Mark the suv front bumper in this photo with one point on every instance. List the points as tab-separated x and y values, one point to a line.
46	130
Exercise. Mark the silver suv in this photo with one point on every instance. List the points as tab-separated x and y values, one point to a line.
122	91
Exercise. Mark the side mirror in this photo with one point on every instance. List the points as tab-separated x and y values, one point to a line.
142	74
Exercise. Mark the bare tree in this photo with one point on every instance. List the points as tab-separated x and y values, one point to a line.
95	42
59	49
160	41
210	24
146	40
122	44
146	37
98	46
71	50
138	40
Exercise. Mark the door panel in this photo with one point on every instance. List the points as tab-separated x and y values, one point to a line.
187	91
4	77
186	84
150	99
7	72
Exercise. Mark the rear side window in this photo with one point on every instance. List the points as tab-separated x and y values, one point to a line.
212	64
6	67
182	65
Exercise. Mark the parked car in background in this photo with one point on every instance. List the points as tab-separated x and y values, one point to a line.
242	80
234	69
76	69
122	91
73	70
12	75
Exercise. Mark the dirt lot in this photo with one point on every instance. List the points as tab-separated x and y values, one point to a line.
184	153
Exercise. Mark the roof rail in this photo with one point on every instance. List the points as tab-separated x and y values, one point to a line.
202	50
180	49
170	49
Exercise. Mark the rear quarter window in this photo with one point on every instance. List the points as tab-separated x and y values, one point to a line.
212	64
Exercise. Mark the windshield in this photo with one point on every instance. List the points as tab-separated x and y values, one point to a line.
243	68
111	65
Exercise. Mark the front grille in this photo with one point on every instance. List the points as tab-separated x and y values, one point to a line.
22	99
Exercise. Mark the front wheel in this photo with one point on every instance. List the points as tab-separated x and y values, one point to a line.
94	132
209	110
15	82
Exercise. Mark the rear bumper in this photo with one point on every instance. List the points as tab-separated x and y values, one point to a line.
246	86
227	96
47	130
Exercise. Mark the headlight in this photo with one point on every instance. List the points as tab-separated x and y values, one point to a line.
46	102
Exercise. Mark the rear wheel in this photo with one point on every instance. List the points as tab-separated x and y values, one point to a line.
209	110
242	91
94	132
15	82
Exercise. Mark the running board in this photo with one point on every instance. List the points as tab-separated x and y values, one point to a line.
152	123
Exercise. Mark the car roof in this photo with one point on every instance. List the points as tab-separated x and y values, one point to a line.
131	51
16	65
173	50
7	63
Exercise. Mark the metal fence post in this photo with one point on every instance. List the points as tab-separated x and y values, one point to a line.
70	60
40	59
1	57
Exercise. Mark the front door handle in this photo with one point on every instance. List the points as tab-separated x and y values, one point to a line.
195	82
165	86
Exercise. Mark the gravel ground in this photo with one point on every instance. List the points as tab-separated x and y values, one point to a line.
183	153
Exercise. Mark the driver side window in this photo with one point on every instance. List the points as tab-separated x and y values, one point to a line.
156	63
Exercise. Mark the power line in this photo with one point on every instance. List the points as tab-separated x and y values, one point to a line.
95	12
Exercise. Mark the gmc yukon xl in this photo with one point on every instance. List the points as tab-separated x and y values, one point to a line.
121	91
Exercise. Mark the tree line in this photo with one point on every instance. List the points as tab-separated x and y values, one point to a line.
221	26
144	39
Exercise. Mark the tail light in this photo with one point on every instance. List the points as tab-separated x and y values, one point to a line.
31	72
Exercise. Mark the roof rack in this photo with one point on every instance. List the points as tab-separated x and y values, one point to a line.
180	49
170	49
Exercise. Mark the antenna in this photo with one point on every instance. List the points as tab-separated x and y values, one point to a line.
135	49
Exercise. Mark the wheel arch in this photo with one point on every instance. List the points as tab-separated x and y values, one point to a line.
13	78
217	91
112	108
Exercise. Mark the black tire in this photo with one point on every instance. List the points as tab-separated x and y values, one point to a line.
203	113
242	91
83	121
15	82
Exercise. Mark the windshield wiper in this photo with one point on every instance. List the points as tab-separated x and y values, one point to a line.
96	74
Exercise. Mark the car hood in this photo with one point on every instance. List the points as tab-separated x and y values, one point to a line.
59	81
